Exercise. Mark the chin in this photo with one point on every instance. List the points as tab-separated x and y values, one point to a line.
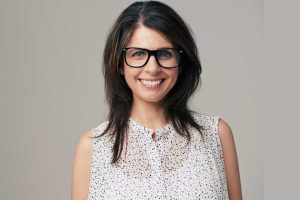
151	100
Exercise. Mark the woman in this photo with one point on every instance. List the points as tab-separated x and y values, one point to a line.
152	146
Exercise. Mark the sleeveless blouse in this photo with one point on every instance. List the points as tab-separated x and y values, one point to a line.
166	168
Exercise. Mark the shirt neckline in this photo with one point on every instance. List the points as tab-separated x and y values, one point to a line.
148	131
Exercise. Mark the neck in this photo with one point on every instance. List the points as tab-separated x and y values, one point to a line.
150	115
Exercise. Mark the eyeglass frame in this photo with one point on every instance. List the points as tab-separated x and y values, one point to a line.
151	53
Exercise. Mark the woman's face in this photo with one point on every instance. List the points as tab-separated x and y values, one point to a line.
151	83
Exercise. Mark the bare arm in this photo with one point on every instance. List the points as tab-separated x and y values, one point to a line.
230	161
82	167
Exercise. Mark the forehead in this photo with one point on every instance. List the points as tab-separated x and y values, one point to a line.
148	38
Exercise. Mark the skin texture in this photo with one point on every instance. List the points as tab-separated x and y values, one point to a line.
146	110
230	161
82	167
144	37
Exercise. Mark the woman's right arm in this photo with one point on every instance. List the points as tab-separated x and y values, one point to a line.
82	167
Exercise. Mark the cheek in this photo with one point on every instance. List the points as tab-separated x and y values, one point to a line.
130	75
175	75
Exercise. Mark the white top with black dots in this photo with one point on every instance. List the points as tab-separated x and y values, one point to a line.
164	168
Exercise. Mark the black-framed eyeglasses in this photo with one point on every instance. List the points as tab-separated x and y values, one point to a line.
139	57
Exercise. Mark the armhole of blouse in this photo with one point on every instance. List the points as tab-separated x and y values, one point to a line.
216	120
221	168
216	128
92	163
93	143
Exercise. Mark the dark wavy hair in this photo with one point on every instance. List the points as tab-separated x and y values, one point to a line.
160	17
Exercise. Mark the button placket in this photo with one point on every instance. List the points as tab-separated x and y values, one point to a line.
155	159
159	144
153	152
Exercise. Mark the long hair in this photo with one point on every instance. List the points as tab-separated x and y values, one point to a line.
160	17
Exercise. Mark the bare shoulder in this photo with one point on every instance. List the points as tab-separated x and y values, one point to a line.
226	139
84	145
230	161
225	131
85	141
82	166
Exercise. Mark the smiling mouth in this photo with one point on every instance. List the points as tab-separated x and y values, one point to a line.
154	83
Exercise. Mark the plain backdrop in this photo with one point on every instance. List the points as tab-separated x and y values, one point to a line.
52	85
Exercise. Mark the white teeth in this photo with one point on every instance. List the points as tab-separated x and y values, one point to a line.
151	82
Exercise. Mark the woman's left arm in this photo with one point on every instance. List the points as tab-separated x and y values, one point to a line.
230	161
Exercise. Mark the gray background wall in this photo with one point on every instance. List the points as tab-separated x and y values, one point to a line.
52	86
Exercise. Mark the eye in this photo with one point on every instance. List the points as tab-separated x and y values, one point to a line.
165	53
138	53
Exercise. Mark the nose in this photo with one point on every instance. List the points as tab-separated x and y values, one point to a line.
152	66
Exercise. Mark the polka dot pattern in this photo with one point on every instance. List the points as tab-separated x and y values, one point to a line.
161	168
